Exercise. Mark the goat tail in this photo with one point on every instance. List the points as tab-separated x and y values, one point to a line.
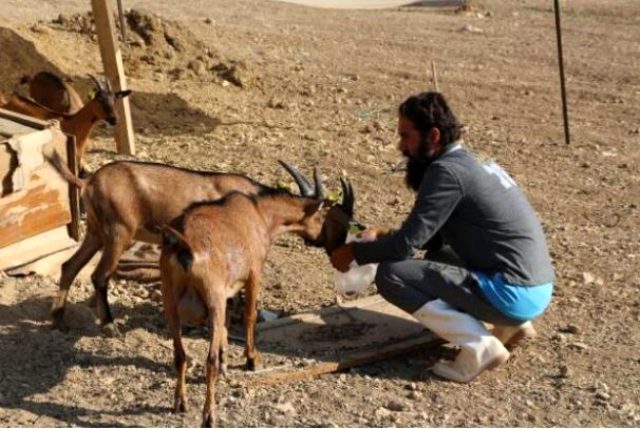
176	243
58	163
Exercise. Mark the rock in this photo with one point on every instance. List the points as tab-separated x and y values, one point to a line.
579	346
588	278
573	329
468	28
396	405
565	371
382	413
197	67
414	394
286	408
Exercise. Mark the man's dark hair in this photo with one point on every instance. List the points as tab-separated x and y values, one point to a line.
430	109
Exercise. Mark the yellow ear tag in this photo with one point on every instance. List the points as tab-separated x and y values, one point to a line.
283	186
91	94
354	228
333	196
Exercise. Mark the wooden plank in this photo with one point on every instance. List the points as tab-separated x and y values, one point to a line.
49	265
74	192
336	338
289	375
114	69
34	205
32	248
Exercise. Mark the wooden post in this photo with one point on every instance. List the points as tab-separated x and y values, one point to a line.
113	68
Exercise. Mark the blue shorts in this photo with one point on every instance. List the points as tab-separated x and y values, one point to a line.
515	301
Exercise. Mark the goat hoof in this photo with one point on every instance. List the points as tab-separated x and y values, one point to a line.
111	330
58	322
92	301
207	422
254	364
180	406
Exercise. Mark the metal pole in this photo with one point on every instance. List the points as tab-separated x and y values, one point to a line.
563	90
122	23
435	76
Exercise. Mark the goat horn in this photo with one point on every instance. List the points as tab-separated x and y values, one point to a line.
305	187
95	81
317	178
347	196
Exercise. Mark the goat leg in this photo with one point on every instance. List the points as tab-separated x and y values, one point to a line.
170	306
252	288
217	328
108	264
70	270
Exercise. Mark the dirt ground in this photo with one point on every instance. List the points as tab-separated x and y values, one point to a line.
234	85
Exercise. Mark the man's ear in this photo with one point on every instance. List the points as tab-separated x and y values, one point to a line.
433	136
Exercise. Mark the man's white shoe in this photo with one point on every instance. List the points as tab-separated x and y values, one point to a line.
472	360
512	336
479	349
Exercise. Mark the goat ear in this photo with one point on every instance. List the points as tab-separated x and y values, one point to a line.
122	94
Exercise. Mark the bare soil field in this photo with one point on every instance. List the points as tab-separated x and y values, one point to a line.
235	85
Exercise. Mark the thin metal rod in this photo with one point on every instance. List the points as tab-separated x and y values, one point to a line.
122	24
435	76
563	90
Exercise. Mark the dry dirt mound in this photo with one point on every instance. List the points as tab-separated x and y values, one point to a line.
154	45
17	57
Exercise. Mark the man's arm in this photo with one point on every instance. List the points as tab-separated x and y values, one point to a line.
439	194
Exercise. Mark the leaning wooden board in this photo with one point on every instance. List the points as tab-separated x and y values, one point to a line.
38	210
336	338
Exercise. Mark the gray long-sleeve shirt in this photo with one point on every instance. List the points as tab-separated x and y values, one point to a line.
480	212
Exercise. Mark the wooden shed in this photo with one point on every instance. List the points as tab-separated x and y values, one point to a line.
38	208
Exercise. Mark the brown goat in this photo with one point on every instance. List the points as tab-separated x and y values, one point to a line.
215	249
128	200
80	124
53	92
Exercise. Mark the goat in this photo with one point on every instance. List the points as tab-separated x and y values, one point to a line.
80	124
51	91
127	200
215	249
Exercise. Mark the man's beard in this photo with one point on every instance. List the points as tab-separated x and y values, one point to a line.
416	167
415	172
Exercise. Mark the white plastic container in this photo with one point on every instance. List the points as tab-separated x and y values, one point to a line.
358	278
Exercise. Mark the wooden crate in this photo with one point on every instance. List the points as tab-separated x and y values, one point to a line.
38	208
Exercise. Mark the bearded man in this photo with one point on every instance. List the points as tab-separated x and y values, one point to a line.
473	216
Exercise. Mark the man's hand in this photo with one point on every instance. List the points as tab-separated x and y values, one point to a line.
342	257
372	234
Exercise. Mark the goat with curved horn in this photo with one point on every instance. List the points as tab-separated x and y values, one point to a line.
305	187
347	196
95	81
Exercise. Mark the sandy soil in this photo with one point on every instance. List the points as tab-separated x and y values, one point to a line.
237	85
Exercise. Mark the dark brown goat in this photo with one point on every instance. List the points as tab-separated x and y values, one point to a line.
79	124
53	92
128	200
213	250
